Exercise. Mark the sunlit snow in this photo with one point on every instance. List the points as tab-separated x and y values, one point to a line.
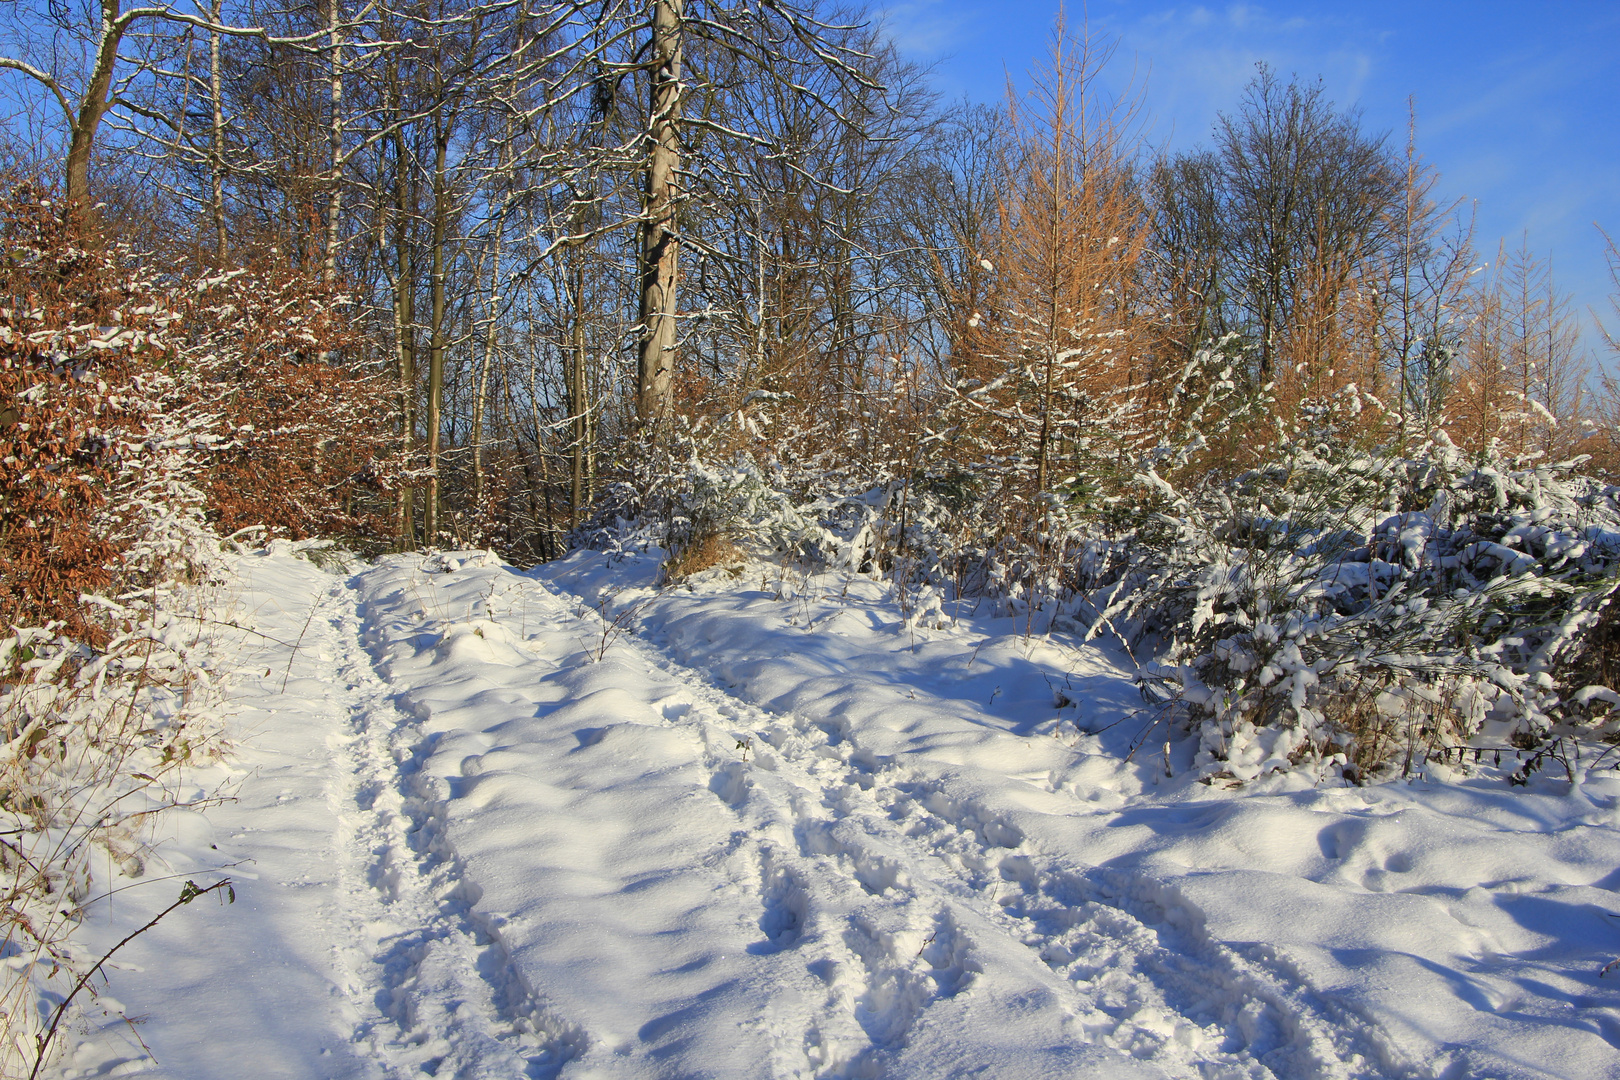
492	823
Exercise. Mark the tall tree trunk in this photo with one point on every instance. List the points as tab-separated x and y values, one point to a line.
92	107
405	335
538	434
660	241
438	335
579	405
217	150
508	151
482	390
334	204
404	308
759	293
1057	270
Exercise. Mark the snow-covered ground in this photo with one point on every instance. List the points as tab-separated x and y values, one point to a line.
565	823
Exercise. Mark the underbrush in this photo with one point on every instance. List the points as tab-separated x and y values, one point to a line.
1371	615
1339	609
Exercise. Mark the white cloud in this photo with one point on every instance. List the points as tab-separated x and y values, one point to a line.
926	27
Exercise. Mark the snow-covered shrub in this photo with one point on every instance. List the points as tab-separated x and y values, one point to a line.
81	344
1354	609
300	440
117	381
699	505
1334	605
736	502
93	739
1038	556
868	531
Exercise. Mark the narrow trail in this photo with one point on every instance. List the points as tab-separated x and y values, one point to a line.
435	989
354	949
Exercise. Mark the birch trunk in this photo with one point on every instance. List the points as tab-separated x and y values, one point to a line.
334	199
217	165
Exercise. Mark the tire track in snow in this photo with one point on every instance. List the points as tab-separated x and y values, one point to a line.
1118	933
1143	974
437	992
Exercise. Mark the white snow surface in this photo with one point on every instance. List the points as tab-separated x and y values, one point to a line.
500	824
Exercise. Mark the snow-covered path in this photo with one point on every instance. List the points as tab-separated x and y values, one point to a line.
352	949
486	828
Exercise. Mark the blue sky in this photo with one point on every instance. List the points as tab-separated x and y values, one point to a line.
1518	104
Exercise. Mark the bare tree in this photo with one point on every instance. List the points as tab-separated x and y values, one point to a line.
1185	260
1522	377
1301	186
89	70
1419	283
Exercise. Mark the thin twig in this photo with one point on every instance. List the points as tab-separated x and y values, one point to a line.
187	895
